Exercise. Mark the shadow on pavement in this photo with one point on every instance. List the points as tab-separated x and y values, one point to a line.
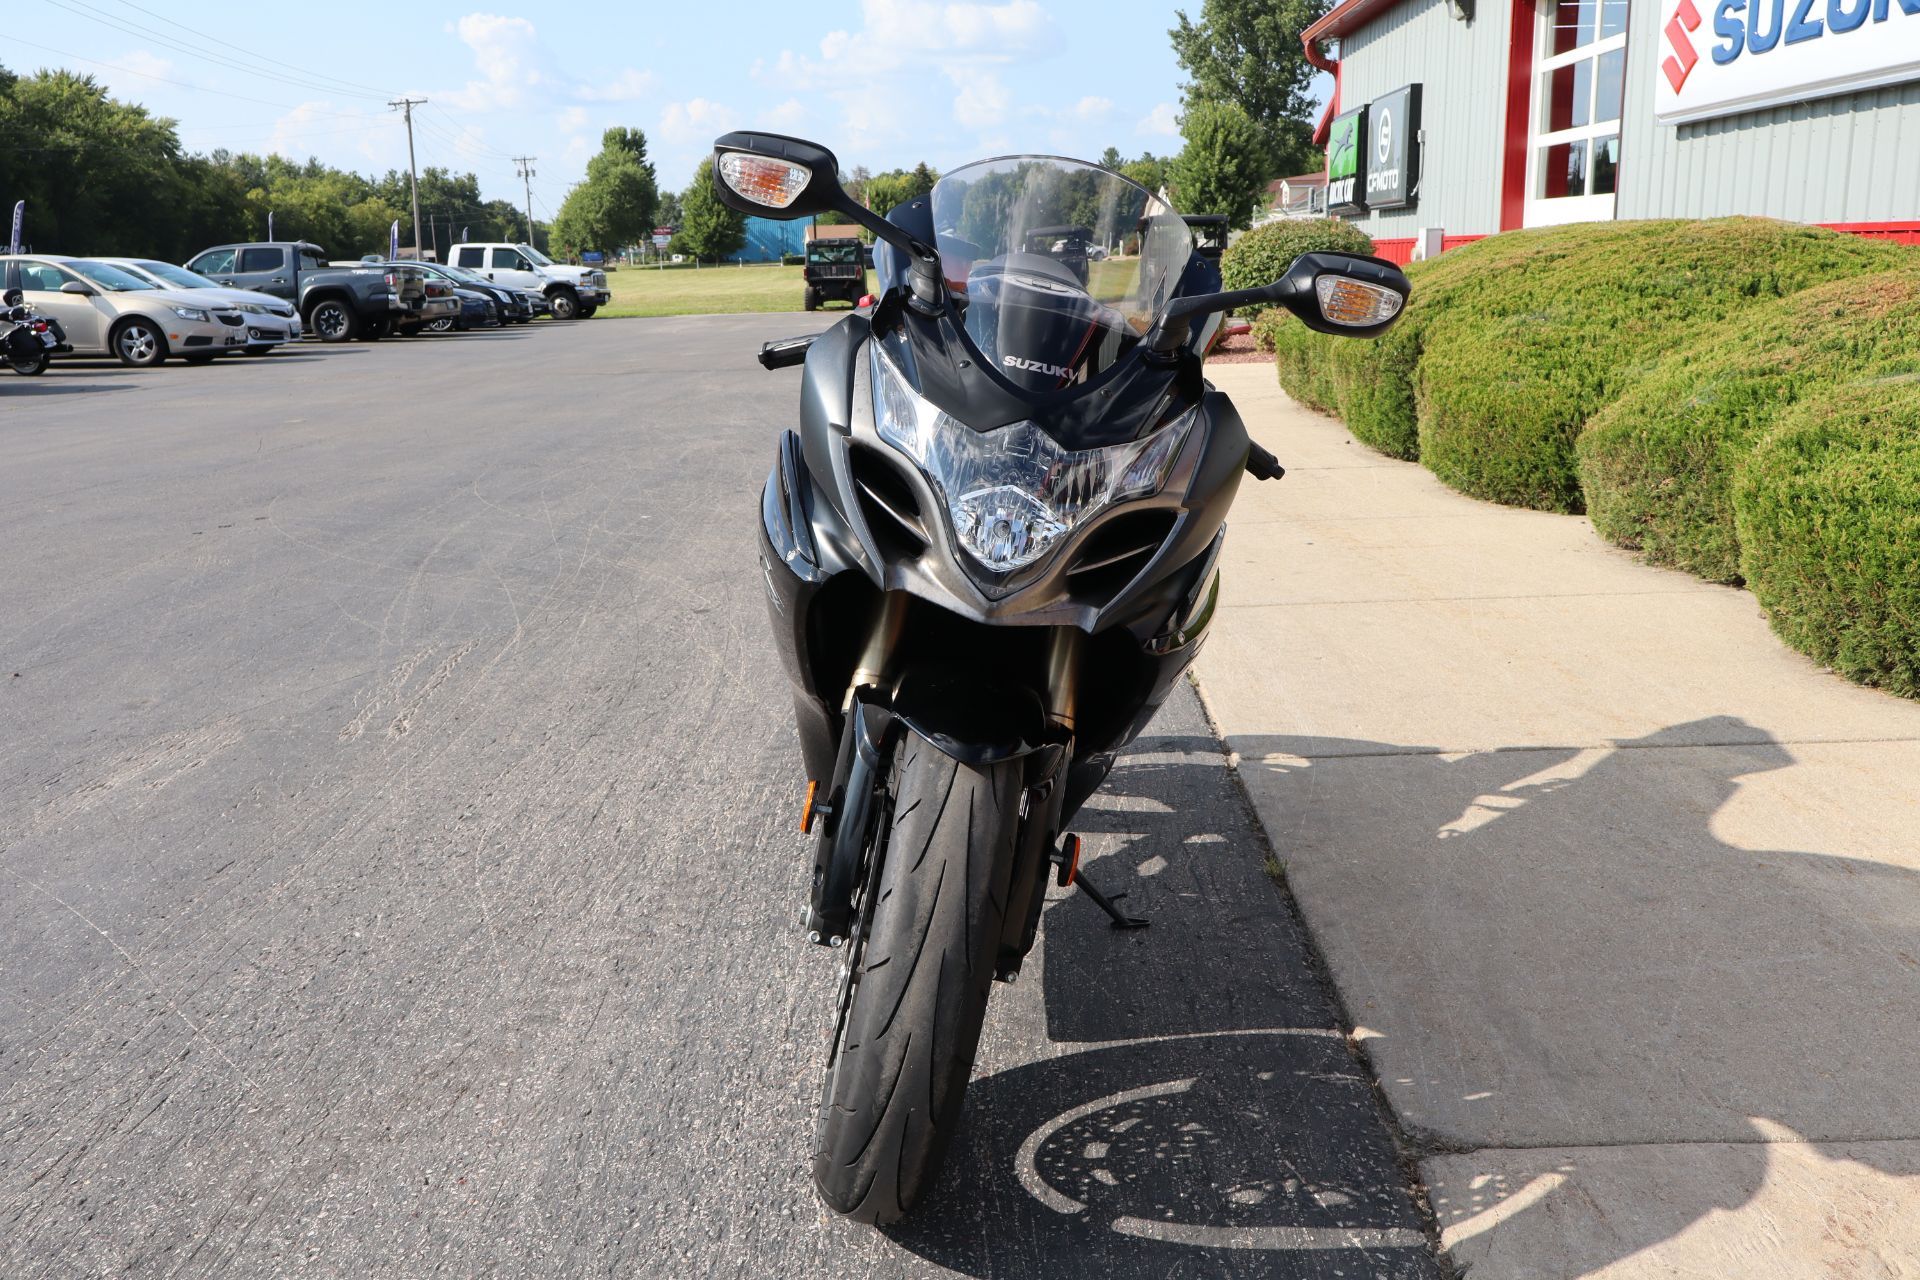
1589	964
1218	1124
47	384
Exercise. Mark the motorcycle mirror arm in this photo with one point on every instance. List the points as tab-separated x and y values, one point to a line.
928	289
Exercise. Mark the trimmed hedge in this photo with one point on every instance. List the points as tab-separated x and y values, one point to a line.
1262	255
1509	344
1506	387
1828	512
1657	466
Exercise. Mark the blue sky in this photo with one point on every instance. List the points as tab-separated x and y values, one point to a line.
883	82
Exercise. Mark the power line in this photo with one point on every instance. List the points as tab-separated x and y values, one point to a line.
179	46
114	66
250	53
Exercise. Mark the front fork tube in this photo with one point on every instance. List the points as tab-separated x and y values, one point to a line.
1040	804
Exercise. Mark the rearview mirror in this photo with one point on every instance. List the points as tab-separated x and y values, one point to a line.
77	289
770	175
1343	294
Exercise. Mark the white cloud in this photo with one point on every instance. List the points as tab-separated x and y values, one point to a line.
630	85
696	121
506	53
982	102
789	117
1162	121
140	69
572	120
291	130
1092	109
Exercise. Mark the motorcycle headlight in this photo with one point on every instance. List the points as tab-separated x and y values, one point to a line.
191	313
1012	493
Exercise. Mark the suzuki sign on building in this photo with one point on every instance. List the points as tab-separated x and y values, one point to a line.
1719	57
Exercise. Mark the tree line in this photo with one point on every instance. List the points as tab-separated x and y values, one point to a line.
103	176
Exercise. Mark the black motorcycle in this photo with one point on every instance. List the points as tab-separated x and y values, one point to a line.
27	341
989	551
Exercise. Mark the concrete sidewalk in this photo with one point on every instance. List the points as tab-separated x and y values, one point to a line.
1623	895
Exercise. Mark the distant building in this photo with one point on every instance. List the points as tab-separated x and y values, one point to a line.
1304	195
769	239
1454	119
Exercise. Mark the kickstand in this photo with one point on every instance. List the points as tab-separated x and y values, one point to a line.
1107	904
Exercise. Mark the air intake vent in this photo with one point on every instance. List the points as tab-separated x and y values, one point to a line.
1122	546
887	501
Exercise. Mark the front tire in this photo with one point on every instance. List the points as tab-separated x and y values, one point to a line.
138	343
565	305
334	321
921	963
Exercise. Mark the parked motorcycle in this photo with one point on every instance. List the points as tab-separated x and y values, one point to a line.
989	551
27	340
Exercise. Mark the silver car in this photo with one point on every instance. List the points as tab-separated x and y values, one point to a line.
270	320
108	311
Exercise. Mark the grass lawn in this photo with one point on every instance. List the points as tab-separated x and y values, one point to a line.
682	291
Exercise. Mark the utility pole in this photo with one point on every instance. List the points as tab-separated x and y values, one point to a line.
526	176
406	106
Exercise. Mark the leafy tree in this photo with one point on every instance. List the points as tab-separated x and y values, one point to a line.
668	213
888	191
1150	171
1110	159
1248	52
709	230
139	193
615	206
1224	167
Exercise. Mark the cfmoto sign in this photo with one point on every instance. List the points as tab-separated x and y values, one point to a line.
1721	57
1393	170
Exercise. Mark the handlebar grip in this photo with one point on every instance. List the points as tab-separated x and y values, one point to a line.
1262	465
785	352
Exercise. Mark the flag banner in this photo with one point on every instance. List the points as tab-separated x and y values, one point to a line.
393	240
269	224
19	216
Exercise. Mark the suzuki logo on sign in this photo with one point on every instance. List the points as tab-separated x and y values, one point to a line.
1721	57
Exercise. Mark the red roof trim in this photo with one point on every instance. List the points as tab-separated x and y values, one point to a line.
1342	18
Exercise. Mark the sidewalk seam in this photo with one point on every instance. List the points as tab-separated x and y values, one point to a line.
1409	1148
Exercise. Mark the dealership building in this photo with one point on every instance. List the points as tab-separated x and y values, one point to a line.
1455	119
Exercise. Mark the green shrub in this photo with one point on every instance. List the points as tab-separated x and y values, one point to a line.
1657	465
1828	511
1299	356
1263	254
1556	323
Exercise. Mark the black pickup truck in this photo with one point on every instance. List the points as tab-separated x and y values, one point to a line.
339	304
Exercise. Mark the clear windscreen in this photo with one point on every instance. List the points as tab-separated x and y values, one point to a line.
1059	267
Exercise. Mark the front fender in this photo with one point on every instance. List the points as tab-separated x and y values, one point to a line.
969	718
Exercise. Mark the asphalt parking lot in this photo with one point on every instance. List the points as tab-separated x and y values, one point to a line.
397	818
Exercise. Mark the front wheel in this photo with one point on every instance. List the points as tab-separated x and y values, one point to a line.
334	321
442	325
925	937
565	305
138	343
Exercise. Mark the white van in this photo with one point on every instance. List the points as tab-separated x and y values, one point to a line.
570	291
